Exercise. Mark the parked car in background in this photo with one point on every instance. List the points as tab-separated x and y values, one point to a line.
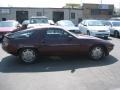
38	21
94	28
53	40
25	24
69	25
51	22
114	28
115	18
8	26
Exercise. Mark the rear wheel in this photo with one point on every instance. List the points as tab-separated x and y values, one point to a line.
116	34
28	55
97	52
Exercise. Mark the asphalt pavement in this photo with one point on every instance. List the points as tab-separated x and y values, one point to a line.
61	73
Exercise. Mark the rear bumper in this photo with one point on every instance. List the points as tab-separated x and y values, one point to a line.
9	48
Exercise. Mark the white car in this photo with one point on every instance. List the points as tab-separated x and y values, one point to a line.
69	26
115	28
38	21
94	28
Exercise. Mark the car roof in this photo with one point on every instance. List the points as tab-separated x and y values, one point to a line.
114	21
38	17
48	26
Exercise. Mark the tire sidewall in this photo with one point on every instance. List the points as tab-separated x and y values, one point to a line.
90	53
116	34
20	55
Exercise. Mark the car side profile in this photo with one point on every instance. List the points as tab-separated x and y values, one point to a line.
53	40
94	28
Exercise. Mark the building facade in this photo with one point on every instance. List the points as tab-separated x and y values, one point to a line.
98	11
87	11
21	14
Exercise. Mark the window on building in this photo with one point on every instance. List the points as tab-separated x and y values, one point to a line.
72	15
110	12
95	11
39	14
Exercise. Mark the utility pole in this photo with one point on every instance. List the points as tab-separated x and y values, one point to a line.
100	1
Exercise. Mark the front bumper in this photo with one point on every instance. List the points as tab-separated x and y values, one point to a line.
100	34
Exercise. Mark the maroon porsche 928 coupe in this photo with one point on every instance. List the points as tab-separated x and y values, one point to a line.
31	43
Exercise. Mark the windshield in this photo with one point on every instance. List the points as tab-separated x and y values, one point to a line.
38	20
7	24
66	23
95	23
116	23
26	22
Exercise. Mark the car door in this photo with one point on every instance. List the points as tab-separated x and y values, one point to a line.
58	42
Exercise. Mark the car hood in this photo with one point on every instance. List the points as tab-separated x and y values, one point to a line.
98	28
87	37
37	25
7	29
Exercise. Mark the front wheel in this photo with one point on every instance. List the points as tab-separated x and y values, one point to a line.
116	34
28	55
97	53
1	37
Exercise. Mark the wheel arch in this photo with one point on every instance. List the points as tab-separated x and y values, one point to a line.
27	47
117	32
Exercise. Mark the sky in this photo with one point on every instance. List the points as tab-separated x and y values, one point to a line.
52	3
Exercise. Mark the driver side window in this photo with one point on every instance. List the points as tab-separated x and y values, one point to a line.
56	33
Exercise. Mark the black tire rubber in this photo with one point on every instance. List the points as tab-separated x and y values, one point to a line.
116	34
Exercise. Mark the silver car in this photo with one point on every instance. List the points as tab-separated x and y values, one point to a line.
94	28
69	25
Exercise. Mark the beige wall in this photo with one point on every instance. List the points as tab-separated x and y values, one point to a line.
45	11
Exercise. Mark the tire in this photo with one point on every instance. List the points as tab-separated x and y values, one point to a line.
116	34
1	37
97	53
28	55
88	33
106	37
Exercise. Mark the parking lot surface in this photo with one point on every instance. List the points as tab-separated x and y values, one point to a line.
66	73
